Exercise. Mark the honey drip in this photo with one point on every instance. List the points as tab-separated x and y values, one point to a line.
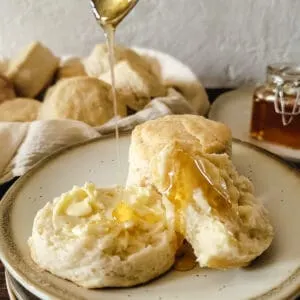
185	258
189	174
186	176
110	40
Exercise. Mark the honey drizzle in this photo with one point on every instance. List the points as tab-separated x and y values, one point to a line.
188	174
109	13
109	32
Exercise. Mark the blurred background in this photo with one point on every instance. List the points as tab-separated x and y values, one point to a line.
226	43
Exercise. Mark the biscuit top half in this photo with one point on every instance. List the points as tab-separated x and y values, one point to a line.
193	133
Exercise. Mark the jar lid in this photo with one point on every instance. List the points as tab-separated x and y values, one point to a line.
280	73
285	78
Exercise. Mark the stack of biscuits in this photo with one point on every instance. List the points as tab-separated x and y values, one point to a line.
37	85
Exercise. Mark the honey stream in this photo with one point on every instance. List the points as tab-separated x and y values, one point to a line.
109	32
109	13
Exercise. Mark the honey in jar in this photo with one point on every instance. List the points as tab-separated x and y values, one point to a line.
276	107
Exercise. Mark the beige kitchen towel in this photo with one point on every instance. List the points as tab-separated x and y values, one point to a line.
22	145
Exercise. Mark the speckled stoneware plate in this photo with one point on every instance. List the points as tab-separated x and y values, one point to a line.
234	109
9	287
275	275
17	291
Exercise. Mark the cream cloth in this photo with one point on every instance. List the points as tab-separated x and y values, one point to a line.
22	145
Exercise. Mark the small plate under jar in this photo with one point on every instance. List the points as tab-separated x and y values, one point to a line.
234	109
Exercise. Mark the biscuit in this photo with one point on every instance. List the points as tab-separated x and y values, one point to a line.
71	68
6	89
3	66
186	159
32	70
195	133
84	99
136	83
217	212
97	62
91	238
19	110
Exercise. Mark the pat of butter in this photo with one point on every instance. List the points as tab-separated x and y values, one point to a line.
123	213
151	218
79	209
79	202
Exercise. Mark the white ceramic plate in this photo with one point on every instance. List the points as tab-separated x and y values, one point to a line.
275	275
234	109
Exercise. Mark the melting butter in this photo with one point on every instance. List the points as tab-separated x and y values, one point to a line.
124	212
79	202
79	209
84	210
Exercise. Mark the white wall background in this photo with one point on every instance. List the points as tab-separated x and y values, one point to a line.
226	42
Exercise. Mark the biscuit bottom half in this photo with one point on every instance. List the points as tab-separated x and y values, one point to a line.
108	237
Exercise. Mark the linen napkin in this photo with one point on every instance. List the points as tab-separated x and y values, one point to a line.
22	145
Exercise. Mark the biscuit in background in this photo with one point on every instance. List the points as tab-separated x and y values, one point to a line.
97	62
19	110
72	67
136	83
3	65
84	99
6	89
32	70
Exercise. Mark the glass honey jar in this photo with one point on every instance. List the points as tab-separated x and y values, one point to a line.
276	107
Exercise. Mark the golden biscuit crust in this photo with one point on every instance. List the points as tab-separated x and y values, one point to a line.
97	62
7	91
194	132
32	70
136	83
72	67
19	110
84	99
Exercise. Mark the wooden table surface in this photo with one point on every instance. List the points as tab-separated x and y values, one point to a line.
213	93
